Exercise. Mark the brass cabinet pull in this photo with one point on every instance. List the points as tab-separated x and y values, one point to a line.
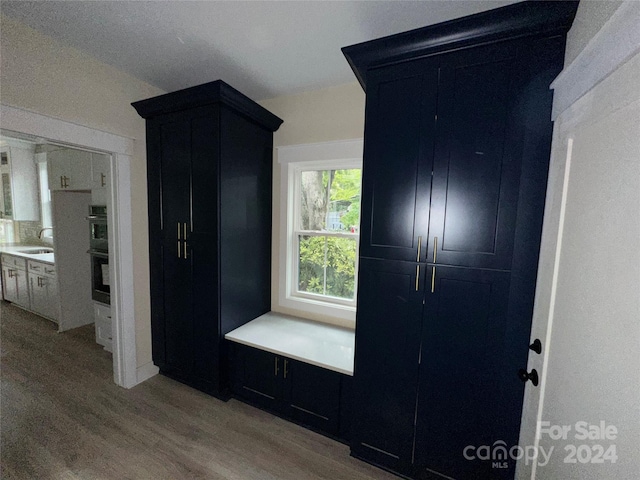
419	248
102	179
276	366
435	248
184	237
286	363
417	277
178	239
433	279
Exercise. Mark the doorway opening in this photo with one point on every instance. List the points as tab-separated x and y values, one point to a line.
24	125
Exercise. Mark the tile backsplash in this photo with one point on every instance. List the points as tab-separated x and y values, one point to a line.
22	233
28	232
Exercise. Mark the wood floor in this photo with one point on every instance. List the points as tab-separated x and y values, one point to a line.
62	417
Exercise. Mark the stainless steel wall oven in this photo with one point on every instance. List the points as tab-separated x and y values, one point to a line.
99	254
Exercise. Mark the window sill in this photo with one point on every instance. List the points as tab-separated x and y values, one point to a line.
345	313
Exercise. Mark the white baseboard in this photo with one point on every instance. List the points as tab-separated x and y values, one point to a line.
146	371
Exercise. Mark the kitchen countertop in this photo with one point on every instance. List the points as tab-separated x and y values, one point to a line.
16	251
319	344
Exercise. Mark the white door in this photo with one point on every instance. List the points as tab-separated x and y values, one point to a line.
587	311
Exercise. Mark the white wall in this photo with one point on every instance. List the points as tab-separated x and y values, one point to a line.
41	75
587	310
590	17
326	115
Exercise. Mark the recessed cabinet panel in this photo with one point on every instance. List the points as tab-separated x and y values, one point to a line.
313	395
476	169
396	177
464	334
100	179
260	376
475	161
69	169
174	163
388	329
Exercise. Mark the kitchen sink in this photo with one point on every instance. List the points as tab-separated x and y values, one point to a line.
37	251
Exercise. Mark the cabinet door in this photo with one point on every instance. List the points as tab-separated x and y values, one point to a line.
19	185
183	245
69	169
50	285
256	376
22	288
312	395
38	294
44	296
103	325
400	119
9	284
16	288
477	160
100	179
465	334
388	331
176	311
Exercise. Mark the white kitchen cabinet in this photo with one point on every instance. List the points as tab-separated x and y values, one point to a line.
18	182
43	288
14	281
103	325
100	179
69	169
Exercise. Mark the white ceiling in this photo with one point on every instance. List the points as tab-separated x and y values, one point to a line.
263	48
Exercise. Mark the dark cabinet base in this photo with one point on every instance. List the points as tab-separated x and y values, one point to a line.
206	387
314	397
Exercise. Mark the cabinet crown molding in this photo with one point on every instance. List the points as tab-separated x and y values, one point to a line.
207	94
524	19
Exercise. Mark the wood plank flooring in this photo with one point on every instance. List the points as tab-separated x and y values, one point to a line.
62	417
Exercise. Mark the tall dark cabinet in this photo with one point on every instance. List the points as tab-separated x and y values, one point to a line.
209	173
457	143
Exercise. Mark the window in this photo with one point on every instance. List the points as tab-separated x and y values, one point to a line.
320	193
45	201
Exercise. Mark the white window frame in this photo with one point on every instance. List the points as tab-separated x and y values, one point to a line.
46	214
294	159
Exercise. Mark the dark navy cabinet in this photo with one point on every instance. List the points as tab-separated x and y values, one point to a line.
388	333
209	173
399	142
457	144
307	394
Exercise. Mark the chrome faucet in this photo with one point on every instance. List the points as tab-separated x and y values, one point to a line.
40	232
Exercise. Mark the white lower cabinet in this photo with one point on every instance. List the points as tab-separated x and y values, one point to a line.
14	281
43	287
102	315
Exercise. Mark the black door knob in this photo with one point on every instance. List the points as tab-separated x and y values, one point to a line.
536	346
533	376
